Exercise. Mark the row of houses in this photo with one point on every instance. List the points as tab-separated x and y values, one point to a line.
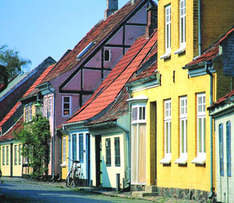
143	101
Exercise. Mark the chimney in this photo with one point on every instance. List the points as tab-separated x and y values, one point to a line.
133	1
112	6
152	19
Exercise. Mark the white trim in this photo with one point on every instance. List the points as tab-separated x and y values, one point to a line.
200	159
166	55
139	107
70	106
138	98
181	50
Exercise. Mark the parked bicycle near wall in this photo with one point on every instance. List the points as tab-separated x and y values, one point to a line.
74	175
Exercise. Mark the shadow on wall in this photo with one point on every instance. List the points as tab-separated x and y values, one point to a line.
105	178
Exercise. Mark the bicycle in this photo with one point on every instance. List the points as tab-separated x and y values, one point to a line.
74	174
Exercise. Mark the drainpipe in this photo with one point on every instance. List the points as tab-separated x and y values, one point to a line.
207	65
128	149
199	27
53	138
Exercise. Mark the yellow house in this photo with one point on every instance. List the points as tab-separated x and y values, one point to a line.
179	130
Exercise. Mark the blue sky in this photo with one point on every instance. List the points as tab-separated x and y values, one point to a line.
41	28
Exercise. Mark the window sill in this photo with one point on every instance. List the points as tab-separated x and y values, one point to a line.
63	165
166	160
166	56
200	159
181	50
182	160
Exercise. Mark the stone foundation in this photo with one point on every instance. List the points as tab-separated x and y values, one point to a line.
187	194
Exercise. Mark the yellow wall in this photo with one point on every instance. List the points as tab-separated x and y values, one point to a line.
190	176
5	167
65	162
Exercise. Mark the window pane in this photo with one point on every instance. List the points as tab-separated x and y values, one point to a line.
108	152
74	147
134	114
20	156
66	99
228	143
200	134
15	154
81	148
117	152
221	160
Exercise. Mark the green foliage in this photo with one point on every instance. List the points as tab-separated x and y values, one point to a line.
12	61
36	136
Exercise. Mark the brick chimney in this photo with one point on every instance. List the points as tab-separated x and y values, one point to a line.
112	6
152	19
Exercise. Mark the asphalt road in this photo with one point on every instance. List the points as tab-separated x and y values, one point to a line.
24	191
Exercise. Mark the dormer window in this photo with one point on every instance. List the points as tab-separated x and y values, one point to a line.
107	55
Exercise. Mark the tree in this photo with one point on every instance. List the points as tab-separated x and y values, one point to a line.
35	137
12	61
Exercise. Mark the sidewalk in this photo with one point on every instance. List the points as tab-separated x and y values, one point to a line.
111	193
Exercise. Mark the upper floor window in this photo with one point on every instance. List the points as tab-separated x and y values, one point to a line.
66	106
107	55
28	112
182	23
228	148
168	28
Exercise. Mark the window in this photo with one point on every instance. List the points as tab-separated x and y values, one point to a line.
182	23
81	148
167	132
49	107
117	151
221	158
66	108
108	152
138	140
28	113
74	147
19	154
15	154
183	131
64	149
7	155
228	148
201	129
168	28
3	156
107	55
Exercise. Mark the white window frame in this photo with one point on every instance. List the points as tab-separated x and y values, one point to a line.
168	28
141	110
139	120
183	131
28	112
182	23
167	132
109	50
201	114
70	106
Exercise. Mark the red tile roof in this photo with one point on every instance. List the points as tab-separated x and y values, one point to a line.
9	135
145	73
10	113
211	52
28	92
116	80
38	81
97	34
223	99
119	107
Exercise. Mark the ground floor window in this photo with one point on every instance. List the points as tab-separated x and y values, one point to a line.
228	148
108	151
117	151
15	154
